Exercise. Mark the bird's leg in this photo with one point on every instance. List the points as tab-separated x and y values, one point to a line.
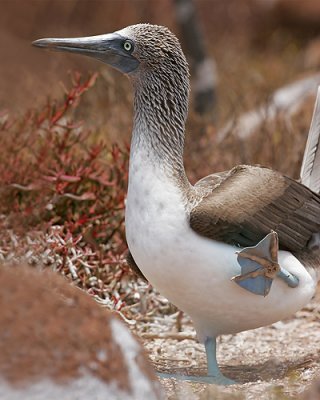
214	376
259	266
290	279
213	368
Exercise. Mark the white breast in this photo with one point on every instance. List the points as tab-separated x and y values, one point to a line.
194	272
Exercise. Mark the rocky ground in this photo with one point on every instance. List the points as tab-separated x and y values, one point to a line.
276	362
257	51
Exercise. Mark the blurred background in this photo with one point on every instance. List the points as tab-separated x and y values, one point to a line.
64	140
251	48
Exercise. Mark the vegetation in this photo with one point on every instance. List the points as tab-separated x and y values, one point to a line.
63	191
63	182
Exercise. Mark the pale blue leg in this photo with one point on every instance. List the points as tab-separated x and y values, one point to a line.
290	279
213	368
214	376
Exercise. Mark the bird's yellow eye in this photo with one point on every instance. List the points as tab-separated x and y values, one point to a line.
127	45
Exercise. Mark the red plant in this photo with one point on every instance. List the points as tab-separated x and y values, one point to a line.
52	174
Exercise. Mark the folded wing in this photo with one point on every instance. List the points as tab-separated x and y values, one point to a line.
250	201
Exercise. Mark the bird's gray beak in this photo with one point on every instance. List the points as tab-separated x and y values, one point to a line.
108	48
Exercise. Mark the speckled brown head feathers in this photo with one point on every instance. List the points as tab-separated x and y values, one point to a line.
157	47
161	86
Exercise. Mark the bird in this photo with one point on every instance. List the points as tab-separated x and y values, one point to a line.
237	250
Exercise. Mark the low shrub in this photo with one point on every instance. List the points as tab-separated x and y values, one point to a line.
57	181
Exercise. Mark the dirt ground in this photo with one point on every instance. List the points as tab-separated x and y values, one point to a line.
276	362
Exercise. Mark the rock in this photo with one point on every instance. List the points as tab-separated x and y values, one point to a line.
57	343
288	99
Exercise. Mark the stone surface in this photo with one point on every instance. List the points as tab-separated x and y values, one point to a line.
56	342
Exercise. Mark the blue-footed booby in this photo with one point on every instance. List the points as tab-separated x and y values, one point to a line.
240	248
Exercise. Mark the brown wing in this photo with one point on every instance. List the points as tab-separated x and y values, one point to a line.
249	202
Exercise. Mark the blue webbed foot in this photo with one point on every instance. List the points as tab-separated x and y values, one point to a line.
214	376
259	266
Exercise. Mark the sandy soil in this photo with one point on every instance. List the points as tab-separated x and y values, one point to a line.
275	362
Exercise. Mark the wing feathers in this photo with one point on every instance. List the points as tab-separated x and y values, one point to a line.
250	202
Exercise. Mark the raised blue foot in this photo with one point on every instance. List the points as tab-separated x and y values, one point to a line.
214	376
259	266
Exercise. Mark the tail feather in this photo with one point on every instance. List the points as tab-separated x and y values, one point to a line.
310	169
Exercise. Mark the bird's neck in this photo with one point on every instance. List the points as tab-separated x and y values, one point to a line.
160	111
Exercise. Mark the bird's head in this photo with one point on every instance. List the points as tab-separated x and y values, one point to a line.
151	56
135	50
